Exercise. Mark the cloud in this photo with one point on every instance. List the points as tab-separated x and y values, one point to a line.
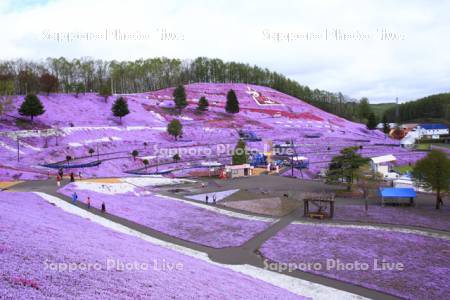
334	45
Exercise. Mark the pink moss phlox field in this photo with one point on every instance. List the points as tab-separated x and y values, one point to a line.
87	122
38	239
421	217
179	219
425	260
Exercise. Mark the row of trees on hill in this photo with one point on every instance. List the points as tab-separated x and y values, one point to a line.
110	77
179	97
431	107
32	107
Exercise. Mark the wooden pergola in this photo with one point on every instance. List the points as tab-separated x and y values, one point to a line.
323	203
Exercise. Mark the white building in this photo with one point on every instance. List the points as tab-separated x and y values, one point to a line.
432	131
381	164
236	171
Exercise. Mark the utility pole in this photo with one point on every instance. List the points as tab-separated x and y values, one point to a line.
157	162
18	150
397	113
98	154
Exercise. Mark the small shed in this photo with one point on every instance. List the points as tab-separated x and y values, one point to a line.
381	164
235	171
397	194
319	206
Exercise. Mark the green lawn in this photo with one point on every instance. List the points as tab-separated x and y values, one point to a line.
426	146
403	169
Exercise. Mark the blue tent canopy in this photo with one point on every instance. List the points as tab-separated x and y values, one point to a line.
398	193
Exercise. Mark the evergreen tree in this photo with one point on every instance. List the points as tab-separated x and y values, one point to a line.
372	121
240	156
232	105
145	162
31	107
120	108
175	128
343	167
135	154
202	104
433	172
386	127
179	96
91	151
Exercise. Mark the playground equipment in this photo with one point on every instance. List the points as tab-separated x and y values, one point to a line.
247	135
258	160
300	162
72	166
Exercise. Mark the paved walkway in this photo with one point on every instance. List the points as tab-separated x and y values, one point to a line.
246	254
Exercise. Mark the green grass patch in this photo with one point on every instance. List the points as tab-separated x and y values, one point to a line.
426	146
403	169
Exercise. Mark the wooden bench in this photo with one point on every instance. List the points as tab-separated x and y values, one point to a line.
317	215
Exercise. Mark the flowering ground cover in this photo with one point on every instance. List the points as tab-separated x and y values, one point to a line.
421	217
86	123
63	256
174	217
403	264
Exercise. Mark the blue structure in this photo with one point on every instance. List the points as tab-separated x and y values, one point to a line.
73	166
249	136
431	126
397	193
301	162
258	159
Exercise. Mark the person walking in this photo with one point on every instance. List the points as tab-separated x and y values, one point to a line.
79	175
74	197
61	173
88	202
58	180
72	177
103	207
206	198
214	199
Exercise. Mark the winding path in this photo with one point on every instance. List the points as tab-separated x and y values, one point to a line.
246	254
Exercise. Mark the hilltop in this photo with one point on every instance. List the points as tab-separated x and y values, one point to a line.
86	122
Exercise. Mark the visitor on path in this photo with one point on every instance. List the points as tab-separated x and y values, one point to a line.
74	197
103	207
72	177
58	180
61	173
214	199
79	175
206	198
88	202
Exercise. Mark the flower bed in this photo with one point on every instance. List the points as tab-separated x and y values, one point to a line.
34	251
176	218
425	260
421	217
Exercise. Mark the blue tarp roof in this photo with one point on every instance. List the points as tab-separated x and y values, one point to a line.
397	192
433	126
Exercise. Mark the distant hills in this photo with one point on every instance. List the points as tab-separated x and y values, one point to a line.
434	108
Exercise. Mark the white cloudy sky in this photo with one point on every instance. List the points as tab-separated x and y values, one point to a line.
413	63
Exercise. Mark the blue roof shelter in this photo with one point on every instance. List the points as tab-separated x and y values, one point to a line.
433	126
397	193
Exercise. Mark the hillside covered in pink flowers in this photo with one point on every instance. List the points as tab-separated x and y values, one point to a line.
86	122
